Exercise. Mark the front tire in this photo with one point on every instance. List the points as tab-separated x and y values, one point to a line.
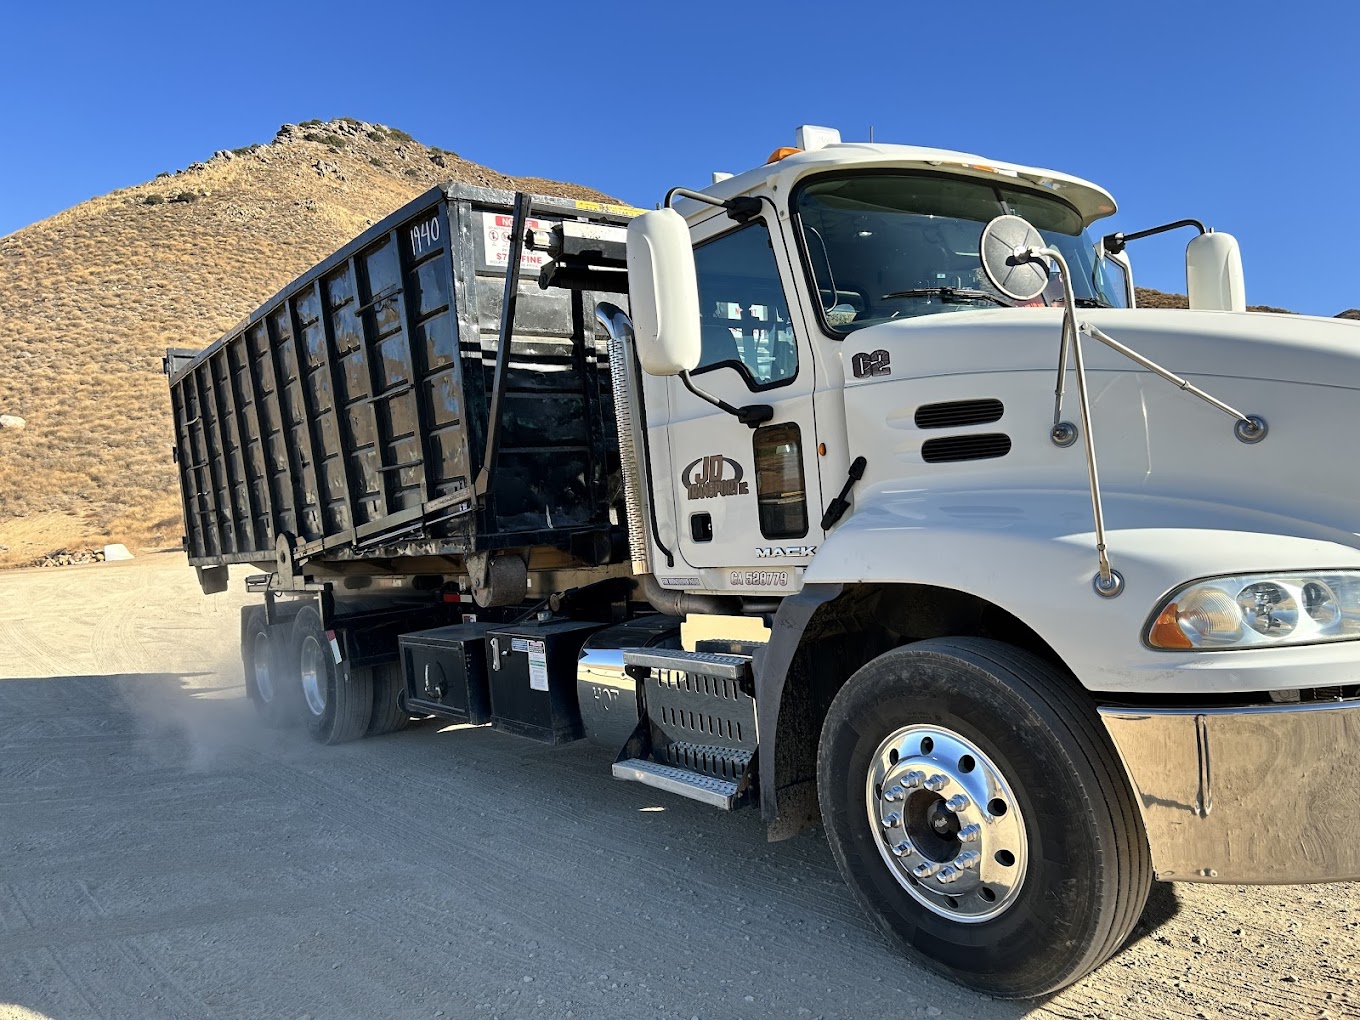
337	698
980	814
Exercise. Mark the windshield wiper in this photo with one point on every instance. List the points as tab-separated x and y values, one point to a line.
951	294
1090	302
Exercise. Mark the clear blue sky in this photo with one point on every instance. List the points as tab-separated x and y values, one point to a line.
1244	115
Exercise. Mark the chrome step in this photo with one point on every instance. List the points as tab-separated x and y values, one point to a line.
730	667
719	793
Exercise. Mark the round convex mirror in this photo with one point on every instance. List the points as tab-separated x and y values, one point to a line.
1004	242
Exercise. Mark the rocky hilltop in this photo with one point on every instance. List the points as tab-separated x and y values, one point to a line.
91	297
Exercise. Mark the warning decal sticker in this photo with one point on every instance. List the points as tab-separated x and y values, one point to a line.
496	230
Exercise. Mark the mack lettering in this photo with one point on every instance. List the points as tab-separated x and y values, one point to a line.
765	552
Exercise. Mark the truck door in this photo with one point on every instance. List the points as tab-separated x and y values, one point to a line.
747	507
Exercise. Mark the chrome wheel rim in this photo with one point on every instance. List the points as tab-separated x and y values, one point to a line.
264	678
946	823
313	675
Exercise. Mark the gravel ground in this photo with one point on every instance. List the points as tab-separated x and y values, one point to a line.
162	855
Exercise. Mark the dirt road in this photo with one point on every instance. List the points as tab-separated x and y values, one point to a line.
163	856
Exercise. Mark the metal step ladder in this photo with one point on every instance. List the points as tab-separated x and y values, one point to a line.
697	736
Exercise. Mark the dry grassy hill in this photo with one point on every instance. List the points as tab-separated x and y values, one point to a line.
1149	298
90	299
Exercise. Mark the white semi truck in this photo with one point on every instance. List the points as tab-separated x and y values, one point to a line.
1025	595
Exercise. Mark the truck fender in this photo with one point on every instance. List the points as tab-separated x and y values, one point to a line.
1031	553
1025	560
799	808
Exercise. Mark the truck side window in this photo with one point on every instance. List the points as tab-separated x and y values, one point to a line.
1115	280
781	493
744	318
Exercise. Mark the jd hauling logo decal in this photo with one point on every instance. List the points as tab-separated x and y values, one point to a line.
710	477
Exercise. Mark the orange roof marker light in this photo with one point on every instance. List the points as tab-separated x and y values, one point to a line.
808	138
990	169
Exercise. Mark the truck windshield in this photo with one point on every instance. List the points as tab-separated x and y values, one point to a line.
891	245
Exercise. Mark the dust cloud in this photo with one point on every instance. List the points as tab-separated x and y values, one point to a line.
200	722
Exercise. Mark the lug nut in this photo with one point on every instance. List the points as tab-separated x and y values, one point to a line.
893	793
936	783
957	803
913	779
892	821
925	869
968	859
902	849
948	874
970	833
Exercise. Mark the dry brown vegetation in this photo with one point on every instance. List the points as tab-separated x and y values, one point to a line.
1148	298
91	298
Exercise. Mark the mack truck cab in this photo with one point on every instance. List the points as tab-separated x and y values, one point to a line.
1062	593
1024	595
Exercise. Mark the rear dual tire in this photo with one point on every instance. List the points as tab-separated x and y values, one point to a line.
337	698
389	700
269	673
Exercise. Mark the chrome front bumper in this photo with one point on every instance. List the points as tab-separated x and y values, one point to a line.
1265	794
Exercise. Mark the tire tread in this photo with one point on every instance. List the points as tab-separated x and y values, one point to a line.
388	715
1133	872
350	721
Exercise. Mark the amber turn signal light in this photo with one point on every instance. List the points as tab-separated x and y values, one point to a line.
1166	631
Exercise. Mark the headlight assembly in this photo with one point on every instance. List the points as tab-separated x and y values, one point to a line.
1255	610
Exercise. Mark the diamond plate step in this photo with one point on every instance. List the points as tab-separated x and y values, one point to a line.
713	760
707	790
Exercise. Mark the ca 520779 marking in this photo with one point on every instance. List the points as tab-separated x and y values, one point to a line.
760	578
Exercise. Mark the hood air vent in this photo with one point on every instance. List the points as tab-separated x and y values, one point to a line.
977	447
955	414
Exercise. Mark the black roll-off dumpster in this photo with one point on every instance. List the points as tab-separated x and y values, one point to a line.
348	414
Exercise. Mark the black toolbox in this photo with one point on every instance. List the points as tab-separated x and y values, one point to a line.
446	673
533	678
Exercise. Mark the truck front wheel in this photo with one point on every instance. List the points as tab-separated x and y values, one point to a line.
338	698
980	815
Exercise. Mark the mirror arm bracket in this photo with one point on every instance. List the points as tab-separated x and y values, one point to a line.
742	209
751	415
1116	243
